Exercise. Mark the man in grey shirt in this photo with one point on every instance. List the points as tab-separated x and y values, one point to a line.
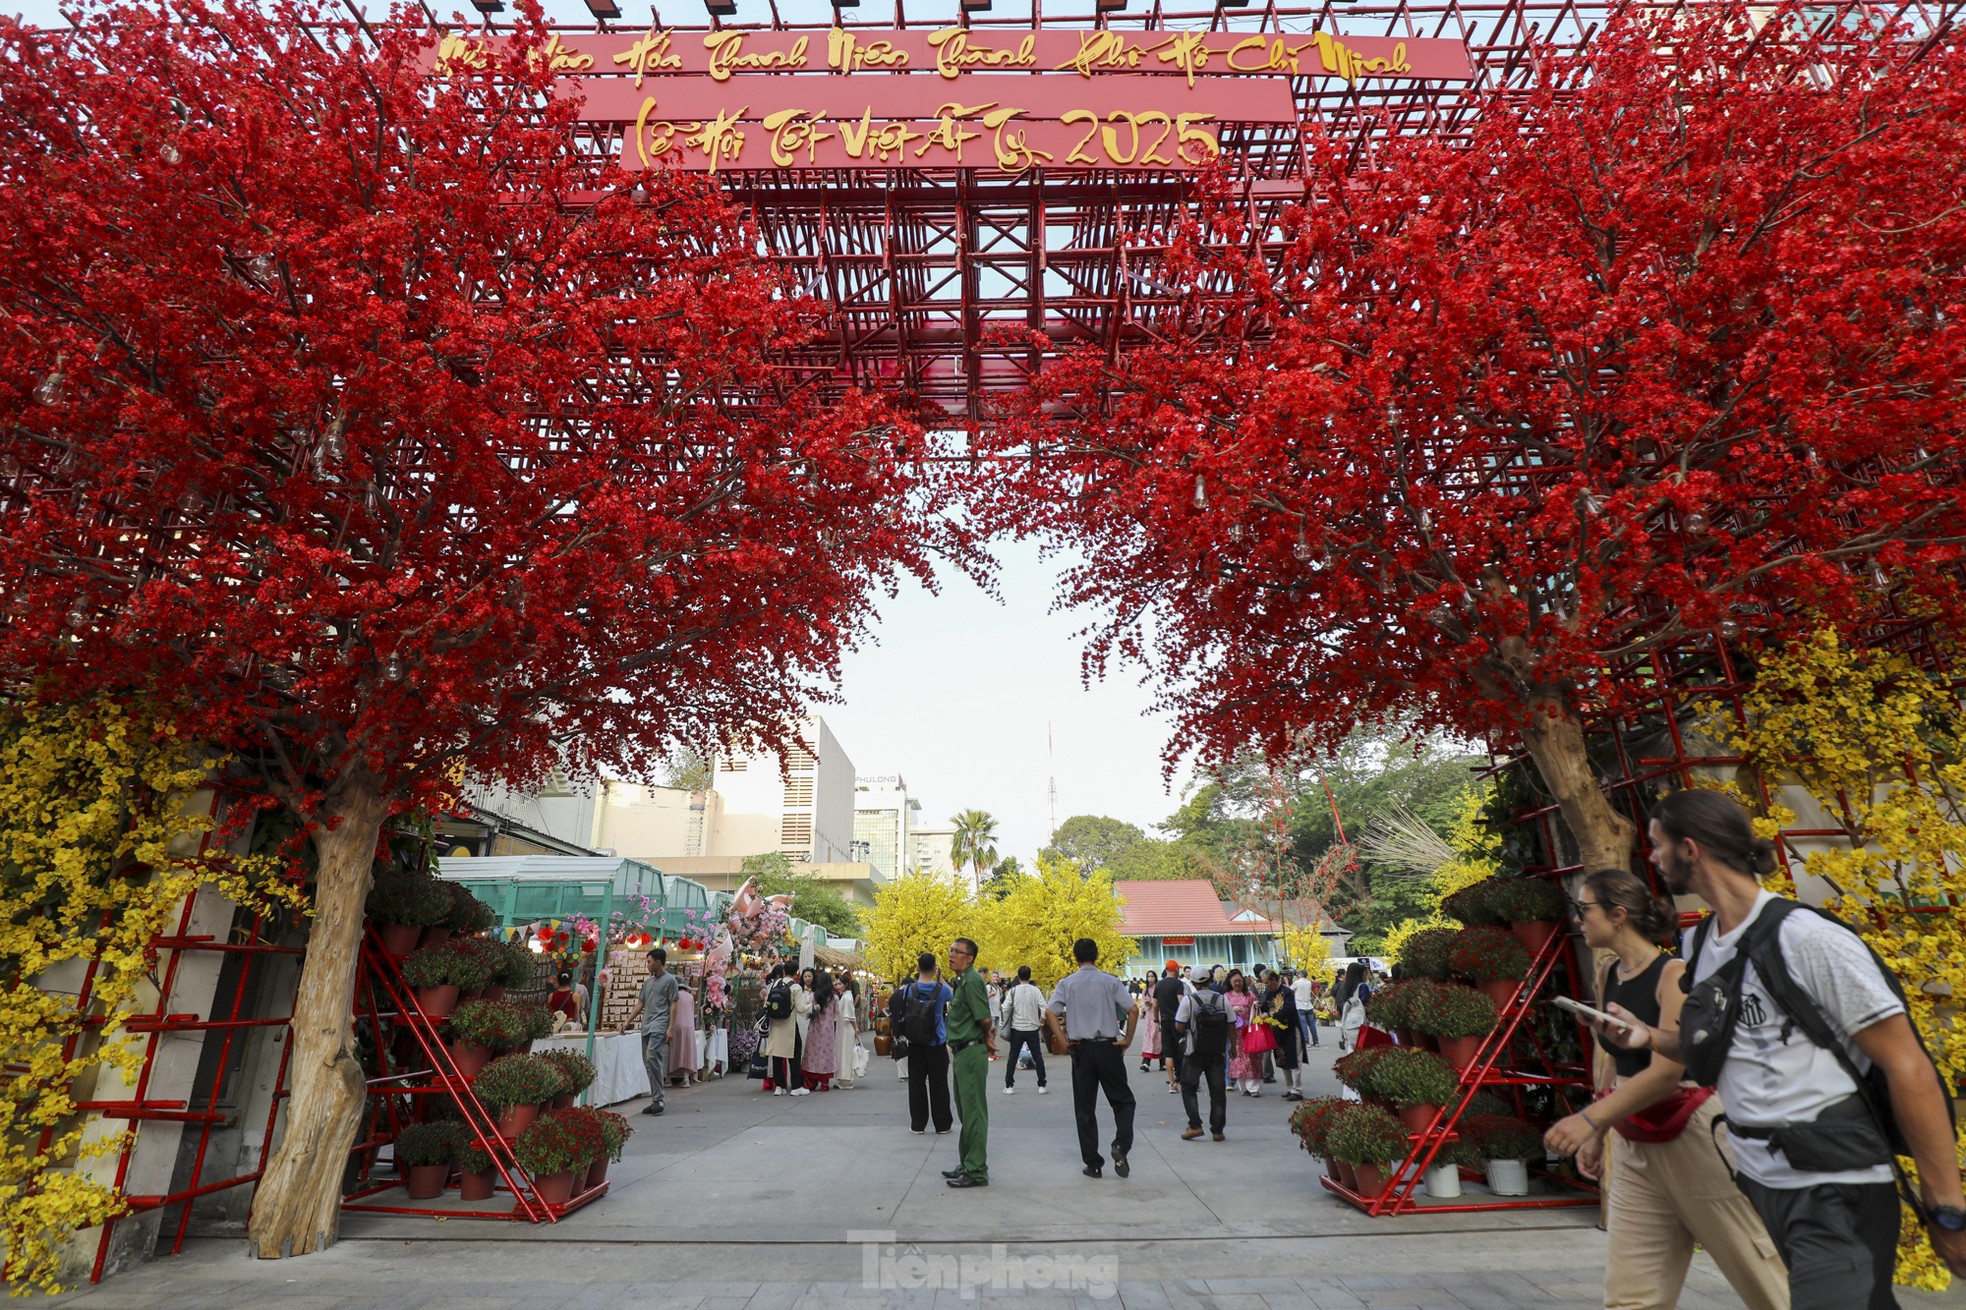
657	1008
1095	1006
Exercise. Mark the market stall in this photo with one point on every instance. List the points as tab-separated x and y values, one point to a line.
619	1074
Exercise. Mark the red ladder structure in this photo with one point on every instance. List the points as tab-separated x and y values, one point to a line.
1493	1066
388	1006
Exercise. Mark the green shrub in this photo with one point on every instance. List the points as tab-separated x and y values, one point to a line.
558	1142
1388	1007
1354	1070
1503	1137
1411	1077
1474	905
1424	954
402	896
500	1025
1482	1101
474	1159
1527	899
1311	1121
468	914
1365	1134
517	966
576	1068
615	1132
518	1080
447	964
1451	1010
431	1143
1488	954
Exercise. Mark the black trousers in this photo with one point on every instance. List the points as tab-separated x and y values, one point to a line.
928	1087
1096	1067
1194	1068
1839	1240
1028	1039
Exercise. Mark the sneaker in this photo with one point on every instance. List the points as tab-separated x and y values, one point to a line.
1172	1090
1220	1138
803	1091
778	1091
944	1132
1042	1089
919	1132
1189	1134
1010	1091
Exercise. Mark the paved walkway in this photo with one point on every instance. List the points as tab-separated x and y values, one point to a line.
734	1198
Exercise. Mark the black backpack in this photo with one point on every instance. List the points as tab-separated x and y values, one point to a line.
1866	1135
1208	1022
913	1015
778	1003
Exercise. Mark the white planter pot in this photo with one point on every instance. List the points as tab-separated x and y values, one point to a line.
1444	1181
1508	1177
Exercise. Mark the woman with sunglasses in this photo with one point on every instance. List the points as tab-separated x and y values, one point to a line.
1671	1185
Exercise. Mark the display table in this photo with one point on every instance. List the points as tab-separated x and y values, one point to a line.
619	1074
715	1048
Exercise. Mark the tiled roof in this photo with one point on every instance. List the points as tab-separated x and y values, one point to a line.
1178	909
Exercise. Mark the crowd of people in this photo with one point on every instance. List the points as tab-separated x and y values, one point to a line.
1763	1083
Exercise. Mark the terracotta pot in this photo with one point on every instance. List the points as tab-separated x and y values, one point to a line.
554	1189
469	1057
1415	1118
427	1180
1372	1180
597	1173
1347	1174
516	1119
399	939
478	1187
563	1101
437	1002
434	936
523	1048
1460	1051
471	994
1428	1042
493	992
1536	934
1501	991
1331	1169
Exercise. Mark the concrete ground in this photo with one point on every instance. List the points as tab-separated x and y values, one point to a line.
735	1198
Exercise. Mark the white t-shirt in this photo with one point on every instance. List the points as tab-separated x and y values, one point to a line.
1301	989
1772	1078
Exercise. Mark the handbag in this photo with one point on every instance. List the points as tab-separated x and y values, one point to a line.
1258	1038
1661	1121
859	1061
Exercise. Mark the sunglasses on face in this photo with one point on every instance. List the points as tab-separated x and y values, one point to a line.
1579	908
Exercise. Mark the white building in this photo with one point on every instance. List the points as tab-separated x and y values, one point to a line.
804	809
884	815
928	850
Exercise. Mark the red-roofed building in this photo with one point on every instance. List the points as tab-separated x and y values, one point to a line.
1184	921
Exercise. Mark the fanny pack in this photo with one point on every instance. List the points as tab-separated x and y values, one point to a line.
1844	1137
1663	1120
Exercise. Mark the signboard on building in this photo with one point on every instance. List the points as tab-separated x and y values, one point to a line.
997	101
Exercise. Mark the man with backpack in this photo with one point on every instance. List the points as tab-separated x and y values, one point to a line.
1201	1024
917	1011
1805	1033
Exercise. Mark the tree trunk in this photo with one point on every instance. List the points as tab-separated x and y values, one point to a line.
297	1207
1556	743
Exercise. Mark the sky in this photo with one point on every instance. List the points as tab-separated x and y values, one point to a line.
958	692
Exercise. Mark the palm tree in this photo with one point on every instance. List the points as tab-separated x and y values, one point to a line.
975	842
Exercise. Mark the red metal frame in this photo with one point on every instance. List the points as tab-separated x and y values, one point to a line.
390	1006
1399	1195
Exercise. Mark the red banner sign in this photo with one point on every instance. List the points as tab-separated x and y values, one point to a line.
1177	941
953	52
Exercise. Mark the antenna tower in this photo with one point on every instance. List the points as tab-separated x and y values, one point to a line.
1052	790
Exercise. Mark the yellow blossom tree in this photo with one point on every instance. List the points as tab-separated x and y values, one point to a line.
1306	949
1044	913
1880	745
98	848
919	911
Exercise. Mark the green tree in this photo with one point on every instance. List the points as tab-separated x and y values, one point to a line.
1092	841
975	844
812	898
1002	878
689	770
1155	860
1044	913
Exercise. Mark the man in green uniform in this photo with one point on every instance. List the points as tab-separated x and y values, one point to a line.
972	1036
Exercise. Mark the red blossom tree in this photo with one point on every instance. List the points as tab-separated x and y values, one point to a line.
362	415
1672	346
